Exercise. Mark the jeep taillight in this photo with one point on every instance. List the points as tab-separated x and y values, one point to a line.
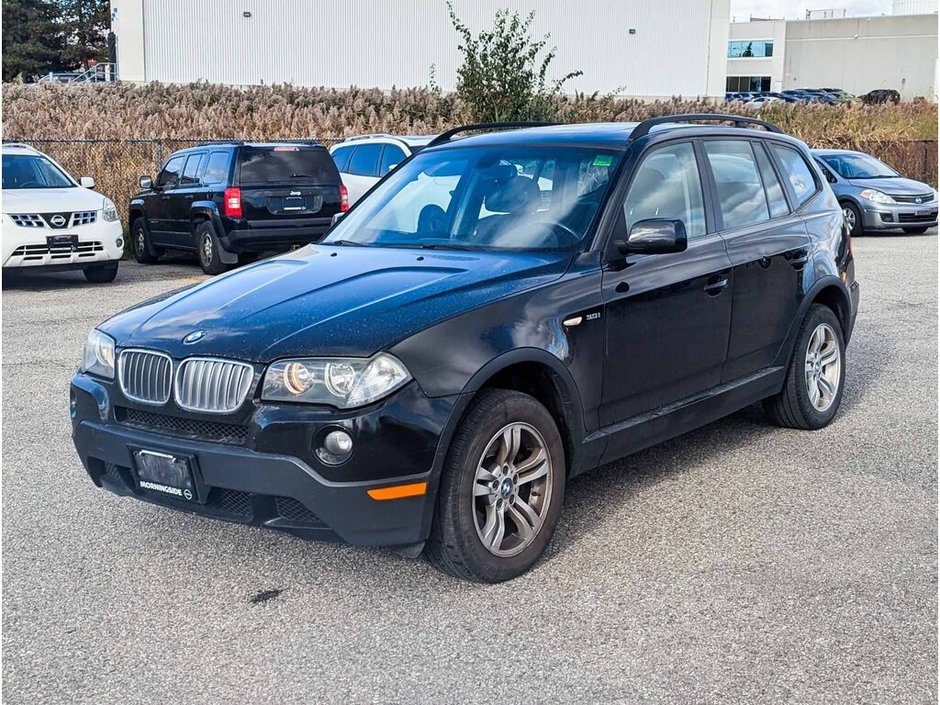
343	198
233	202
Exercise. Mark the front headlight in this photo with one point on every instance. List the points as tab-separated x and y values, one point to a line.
875	195
98	358
109	212
346	382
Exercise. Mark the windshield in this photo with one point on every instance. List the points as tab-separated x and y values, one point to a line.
264	165
858	166
486	198
32	171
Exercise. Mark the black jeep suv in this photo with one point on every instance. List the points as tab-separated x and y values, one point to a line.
232	199
500	313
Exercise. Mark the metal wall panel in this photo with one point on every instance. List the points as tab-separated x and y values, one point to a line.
396	42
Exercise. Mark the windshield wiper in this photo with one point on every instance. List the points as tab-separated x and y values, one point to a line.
346	243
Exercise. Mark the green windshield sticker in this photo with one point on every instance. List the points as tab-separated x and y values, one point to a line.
603	160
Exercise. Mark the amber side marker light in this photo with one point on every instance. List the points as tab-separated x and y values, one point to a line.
414	489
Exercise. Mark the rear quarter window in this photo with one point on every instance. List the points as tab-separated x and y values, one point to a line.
796	172
217	169
287	164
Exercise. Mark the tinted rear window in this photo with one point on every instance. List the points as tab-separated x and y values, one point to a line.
286	164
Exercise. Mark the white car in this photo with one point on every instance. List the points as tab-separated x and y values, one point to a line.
363	160
52	222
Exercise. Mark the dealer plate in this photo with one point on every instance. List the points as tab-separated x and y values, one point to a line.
167	474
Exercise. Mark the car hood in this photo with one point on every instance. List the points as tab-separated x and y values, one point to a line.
323	300
51	200
893	185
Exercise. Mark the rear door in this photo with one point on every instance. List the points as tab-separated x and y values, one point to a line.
190	189
281	184
362	170
768	247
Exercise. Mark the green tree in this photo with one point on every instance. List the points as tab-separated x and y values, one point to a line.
32	38
86	24
502	77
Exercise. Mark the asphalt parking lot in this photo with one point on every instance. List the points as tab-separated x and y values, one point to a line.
739	564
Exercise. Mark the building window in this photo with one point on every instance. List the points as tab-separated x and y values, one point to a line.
751	48
749	84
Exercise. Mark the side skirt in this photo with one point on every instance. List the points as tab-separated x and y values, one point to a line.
645	430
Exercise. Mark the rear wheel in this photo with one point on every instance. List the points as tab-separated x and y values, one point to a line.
101	275
916	231
853	218
144	251
209	250
812	391
501	490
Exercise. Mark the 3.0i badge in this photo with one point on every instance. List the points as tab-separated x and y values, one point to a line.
194	337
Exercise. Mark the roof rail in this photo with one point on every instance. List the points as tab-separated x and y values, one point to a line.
18	144
448	134
644	127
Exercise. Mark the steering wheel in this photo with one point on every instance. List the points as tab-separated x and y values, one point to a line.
561	231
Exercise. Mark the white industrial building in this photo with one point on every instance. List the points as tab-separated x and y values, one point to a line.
674	47
857	54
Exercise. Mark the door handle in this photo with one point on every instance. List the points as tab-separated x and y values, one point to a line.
716	285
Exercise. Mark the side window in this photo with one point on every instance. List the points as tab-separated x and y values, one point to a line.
365	160
741	196
170	174
667	185
797	172
776	201
392	156
217	168
341	157
191	170
830	177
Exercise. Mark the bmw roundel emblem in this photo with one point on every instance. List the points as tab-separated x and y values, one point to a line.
194	337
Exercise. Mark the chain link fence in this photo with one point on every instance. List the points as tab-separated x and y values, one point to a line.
116	165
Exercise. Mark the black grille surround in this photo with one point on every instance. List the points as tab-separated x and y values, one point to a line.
181	426
914	218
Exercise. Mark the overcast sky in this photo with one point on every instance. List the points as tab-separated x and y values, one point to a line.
796	9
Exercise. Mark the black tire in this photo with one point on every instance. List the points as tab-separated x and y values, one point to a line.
455	546
144	251
209	250
101	275
916	231
792	407
857	226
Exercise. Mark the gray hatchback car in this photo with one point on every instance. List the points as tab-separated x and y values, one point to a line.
874	196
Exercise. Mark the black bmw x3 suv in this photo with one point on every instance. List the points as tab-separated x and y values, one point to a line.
226	201
502	312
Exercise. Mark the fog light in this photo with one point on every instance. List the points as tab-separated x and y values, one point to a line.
119	242
337	447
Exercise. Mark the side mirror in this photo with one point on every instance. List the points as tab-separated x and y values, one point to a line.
654	236
86	182
336	218
145	182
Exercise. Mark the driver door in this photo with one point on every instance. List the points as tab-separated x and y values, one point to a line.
668	316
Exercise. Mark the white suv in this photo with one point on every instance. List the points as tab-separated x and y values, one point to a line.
363	160
54	222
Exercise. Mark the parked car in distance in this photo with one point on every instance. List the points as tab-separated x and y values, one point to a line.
363	160
430	376
874	196
51	222
881	95
229	200
760	101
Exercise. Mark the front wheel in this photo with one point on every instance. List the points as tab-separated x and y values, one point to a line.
101	275
812	391
501	490
853	218
916	231
209	250
144	251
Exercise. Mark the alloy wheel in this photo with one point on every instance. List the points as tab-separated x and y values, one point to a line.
849	216
207	248
141	242
823	367
512	489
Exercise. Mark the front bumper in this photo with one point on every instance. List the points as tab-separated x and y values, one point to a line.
267	481
97	245
890	216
